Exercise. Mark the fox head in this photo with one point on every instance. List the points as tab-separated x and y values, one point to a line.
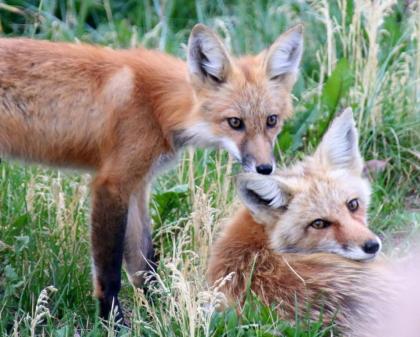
241	103
319	204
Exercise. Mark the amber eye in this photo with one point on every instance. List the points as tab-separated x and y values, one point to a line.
320	224
236	123
353	205
272	121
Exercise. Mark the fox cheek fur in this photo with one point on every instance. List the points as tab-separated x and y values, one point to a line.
125	114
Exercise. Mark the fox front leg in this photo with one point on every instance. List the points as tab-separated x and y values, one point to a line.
108	226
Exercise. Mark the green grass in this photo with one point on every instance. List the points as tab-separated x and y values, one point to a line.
370	63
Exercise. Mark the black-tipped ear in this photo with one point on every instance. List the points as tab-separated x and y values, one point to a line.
258	192
208	59
339	148
284	55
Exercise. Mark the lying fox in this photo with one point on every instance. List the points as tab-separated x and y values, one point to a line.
125	114
281	243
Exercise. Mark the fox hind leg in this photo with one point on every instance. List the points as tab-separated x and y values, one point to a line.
139	254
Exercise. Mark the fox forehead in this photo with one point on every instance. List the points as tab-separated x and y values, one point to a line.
256	94
248	94
325	194
260	100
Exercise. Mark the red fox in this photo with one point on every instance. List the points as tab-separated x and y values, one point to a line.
125	114
281	244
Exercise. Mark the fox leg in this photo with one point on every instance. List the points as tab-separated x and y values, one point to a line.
108	225
139	253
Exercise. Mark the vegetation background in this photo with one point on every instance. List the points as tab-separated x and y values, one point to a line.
364	54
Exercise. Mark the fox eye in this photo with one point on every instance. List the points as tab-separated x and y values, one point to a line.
272	121
320	224
236	123
353	205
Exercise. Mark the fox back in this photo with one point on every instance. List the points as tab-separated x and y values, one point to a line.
72	105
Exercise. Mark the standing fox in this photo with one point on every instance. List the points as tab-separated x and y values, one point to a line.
280	244
125	114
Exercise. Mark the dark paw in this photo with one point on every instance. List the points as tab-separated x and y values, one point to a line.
111	310
151	268
152	260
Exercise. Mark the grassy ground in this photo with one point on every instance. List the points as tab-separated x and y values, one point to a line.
364	54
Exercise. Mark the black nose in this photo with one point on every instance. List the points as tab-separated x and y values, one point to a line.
265	169
371	246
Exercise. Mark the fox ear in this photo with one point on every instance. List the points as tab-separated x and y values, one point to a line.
208	59
339	148
284	55
260	193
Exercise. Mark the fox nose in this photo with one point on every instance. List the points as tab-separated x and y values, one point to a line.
265	169
371	246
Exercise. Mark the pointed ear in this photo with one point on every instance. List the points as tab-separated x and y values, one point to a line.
339	148
284	55
260	193
208	60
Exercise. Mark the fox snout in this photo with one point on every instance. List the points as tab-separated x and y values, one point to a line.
366	250
249	164
257	156
372	246
265	169
366	244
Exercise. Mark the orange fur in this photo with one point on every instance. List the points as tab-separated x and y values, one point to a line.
63	100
